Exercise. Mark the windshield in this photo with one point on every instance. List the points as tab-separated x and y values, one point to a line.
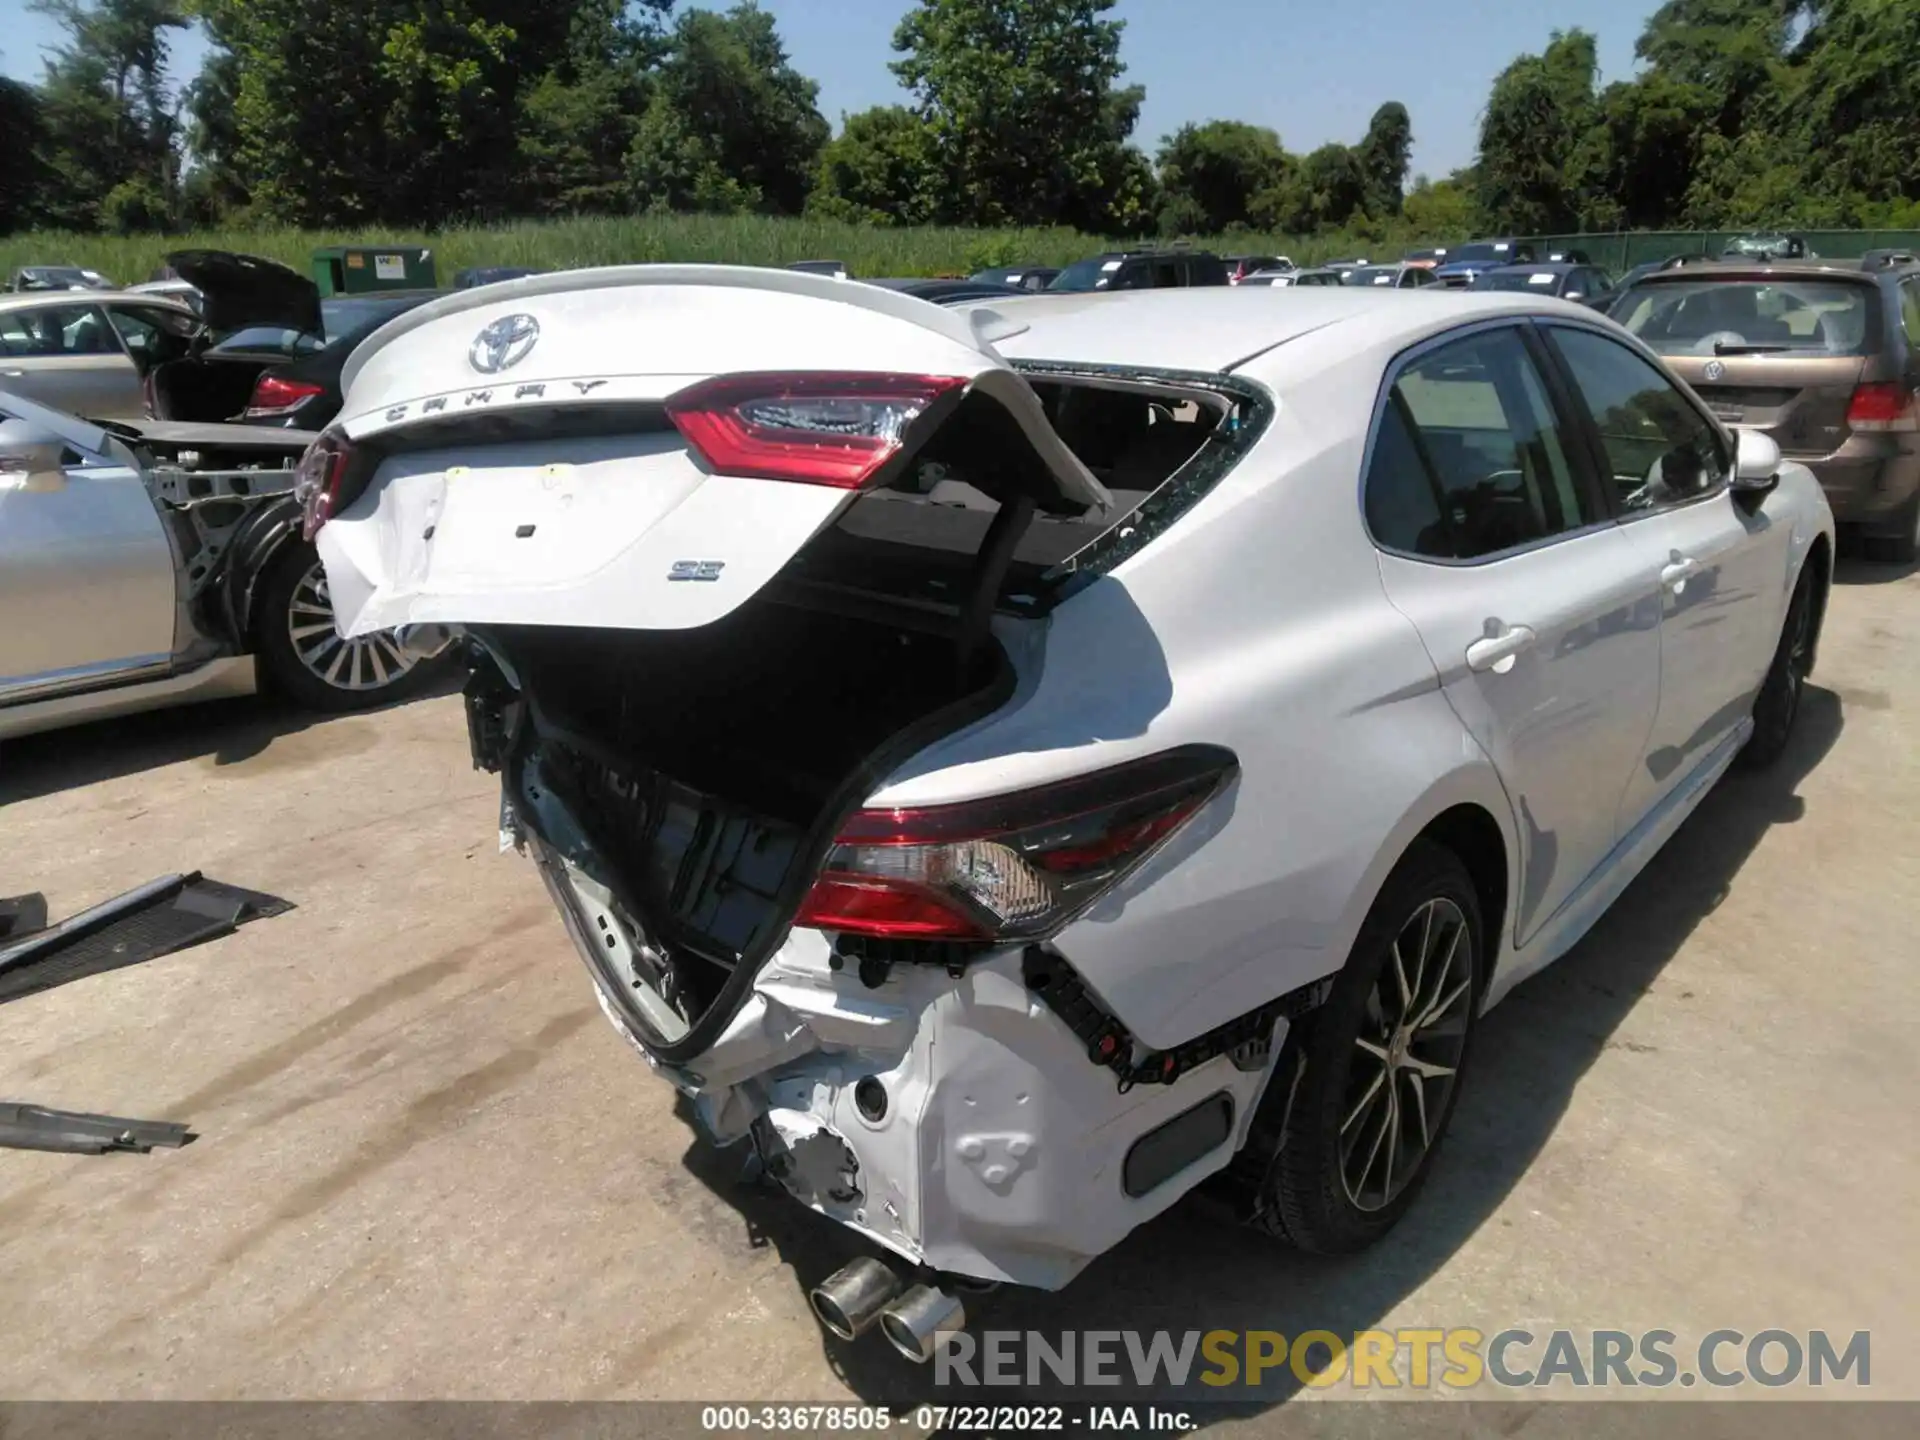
1518	277
1722	317
1094	274
1479	250
354	316
1371	275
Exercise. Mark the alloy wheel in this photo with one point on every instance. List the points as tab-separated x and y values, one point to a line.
1412	1035
369	662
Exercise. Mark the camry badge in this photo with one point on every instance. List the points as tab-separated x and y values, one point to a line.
1714	370
503	344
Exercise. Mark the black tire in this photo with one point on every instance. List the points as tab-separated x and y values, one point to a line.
1777	706
1311	1129
290	579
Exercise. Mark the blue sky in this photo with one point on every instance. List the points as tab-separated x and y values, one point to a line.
1312	72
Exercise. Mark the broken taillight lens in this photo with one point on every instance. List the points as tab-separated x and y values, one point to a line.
318	479
1011	867
816	429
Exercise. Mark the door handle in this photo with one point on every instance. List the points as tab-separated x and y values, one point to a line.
1497	652
1678	570
13	374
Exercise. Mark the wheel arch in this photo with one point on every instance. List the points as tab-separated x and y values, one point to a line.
1471	834
1466	813
261	537
1819	567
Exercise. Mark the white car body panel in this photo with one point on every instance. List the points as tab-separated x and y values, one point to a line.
609	524
1263	619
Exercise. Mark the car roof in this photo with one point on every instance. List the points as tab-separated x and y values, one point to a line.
1162	252
1211	329
421	294
1759	269
35	299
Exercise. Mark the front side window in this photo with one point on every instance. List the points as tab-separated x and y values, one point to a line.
1470	460
152	335
1660	450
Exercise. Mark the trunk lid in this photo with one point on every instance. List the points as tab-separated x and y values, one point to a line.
245	290
1798	401
531	460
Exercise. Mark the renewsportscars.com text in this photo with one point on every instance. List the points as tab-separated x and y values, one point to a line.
1418	1359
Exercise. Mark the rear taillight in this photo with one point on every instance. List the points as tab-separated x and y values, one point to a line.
1884	405
1012	867
274	395
816	429
318	478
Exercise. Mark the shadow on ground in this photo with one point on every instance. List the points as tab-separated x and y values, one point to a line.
1852	570
223	732
1192	1271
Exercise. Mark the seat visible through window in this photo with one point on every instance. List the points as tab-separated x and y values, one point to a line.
1469	460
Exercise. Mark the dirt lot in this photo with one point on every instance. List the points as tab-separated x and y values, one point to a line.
428	1168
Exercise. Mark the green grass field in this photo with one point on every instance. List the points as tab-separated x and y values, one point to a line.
625	240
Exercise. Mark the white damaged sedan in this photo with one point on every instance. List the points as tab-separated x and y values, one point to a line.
1012	764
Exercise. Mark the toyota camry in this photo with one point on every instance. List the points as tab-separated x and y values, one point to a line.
1009	764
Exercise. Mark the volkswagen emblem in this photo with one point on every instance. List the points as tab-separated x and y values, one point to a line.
1713	371
503	344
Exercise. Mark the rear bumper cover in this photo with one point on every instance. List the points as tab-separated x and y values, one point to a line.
1869	481
1001	1151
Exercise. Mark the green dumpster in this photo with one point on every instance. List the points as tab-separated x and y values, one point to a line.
368	269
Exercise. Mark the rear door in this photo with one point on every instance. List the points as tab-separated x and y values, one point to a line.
1536	610
68	356
648	449
1720	569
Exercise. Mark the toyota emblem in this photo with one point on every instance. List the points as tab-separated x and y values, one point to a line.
1713	371
503	344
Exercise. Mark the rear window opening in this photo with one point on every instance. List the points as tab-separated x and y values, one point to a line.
917	538
1782	314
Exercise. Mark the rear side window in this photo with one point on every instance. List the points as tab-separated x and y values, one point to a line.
1910	310
1470	460
1779	315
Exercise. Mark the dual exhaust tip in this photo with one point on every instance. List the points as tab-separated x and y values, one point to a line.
852	1299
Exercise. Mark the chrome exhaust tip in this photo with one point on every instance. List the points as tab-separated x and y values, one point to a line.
914	1323
848	1301
423	642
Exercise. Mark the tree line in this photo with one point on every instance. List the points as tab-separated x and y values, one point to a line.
428	112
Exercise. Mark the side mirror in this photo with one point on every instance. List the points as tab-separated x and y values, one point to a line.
1756	464
31	457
